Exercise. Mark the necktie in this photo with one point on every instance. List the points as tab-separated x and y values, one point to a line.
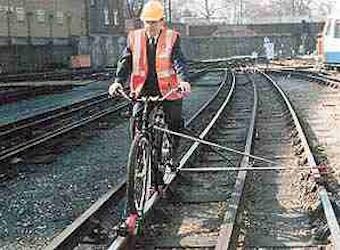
152	41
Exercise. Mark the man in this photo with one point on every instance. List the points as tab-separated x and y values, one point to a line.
154	64
269	50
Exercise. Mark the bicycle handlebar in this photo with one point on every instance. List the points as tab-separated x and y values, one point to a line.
148	98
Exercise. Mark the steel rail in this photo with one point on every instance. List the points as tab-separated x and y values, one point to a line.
66	237
121	241
332	82
227	230
193	148
62	130
208	102
318	76
322	192
6	129
52	75
18	125
73	230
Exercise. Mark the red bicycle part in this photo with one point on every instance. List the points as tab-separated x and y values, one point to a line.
131	222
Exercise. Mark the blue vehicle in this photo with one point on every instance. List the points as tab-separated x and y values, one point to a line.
331	41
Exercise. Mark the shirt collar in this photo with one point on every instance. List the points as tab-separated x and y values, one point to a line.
156	37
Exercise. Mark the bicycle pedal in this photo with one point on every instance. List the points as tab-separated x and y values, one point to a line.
174	167
171	167
122	230
162	194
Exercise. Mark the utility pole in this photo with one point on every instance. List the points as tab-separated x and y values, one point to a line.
167	7
9	27
68	24
10	51
241	11
170	18
50	26
29	18
235	14
87	19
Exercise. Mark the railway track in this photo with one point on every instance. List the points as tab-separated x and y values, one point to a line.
194	213
10	95
214	173
210	204
70	171
36	76
318	106
310	76
83	232
56	76
278	206
272	207
25	134
22	135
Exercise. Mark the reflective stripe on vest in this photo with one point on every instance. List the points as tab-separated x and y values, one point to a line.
166	76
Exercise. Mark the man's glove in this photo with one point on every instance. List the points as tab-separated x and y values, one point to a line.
113	89
185	88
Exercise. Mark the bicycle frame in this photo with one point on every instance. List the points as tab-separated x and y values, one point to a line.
152	114
146	101
152	151
145	126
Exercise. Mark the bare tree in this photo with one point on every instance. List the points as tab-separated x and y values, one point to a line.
182	12
248	10
211	8
302	7
134	8
325	7
207	9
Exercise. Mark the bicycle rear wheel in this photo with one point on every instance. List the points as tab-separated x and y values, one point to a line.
139	174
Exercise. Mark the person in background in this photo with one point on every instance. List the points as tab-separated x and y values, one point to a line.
269	50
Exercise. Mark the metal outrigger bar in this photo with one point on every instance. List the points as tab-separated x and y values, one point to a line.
220	169
205	142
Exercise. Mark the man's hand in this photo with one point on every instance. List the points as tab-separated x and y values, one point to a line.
113	89
185	88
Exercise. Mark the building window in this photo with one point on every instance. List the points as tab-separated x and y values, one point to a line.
60	17
41	16
20	14
115	18
5	8
106	16
93	2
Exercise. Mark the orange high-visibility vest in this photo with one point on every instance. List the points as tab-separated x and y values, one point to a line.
166	75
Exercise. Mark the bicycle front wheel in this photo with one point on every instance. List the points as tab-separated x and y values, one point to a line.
164	151
139	174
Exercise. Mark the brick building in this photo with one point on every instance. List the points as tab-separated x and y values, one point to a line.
38	35
106	17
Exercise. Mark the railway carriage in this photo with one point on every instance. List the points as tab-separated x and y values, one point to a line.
331	41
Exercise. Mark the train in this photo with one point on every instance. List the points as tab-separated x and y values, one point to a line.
329	42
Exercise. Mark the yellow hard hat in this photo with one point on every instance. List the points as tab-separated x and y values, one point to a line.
152	11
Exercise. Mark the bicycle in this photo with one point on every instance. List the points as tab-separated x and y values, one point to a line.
150	156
